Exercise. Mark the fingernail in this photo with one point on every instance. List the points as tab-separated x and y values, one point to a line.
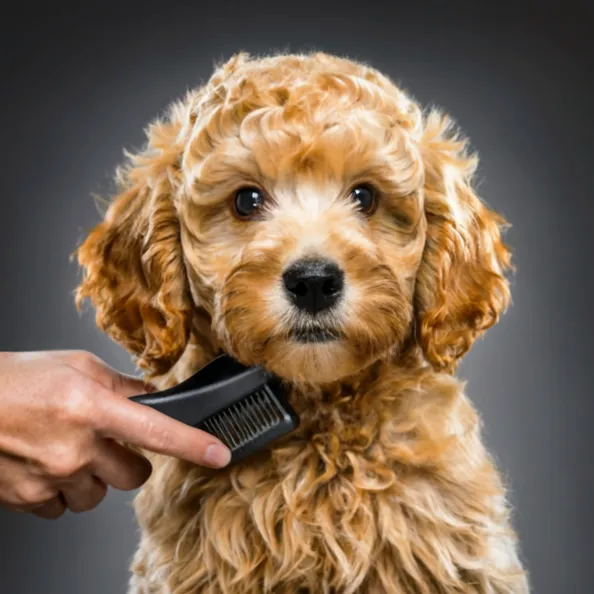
217	456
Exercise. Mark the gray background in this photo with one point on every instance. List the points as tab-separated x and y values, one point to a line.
79	85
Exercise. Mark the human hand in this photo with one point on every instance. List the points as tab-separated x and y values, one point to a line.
62	414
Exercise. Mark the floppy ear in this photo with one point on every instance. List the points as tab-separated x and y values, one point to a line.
133	270
461	286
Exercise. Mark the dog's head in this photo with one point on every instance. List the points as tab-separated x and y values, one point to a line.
308	211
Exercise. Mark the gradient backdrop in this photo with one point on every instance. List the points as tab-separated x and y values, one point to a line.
79	85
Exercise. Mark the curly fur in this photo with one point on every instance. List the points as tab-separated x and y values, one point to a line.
386	486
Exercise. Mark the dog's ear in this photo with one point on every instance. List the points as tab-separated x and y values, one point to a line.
461	287
133	270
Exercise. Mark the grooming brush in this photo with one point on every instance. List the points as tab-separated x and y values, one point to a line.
244	407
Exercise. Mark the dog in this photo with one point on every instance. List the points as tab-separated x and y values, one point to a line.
304	213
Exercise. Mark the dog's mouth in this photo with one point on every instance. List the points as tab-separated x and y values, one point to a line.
316	334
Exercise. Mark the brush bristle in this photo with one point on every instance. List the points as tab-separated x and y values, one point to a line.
243	422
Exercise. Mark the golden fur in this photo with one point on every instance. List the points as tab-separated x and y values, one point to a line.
386	486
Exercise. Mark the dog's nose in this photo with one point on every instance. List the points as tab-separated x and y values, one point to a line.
314	285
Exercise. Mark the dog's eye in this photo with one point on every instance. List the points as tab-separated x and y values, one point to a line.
366	198
248	201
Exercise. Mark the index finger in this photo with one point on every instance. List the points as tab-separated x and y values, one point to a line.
140	425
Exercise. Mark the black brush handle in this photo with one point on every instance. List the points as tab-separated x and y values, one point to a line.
215	387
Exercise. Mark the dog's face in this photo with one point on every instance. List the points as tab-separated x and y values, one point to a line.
307	210
306	222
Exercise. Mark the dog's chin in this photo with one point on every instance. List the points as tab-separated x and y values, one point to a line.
310	356
313	358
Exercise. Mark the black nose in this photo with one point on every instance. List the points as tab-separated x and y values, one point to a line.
314	285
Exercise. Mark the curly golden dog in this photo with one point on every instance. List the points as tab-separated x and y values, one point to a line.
301	212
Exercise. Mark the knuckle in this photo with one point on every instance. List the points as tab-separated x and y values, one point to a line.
84	361
76	401
158	436
63	461
62	469
29	493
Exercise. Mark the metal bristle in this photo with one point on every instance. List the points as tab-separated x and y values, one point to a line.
243	421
